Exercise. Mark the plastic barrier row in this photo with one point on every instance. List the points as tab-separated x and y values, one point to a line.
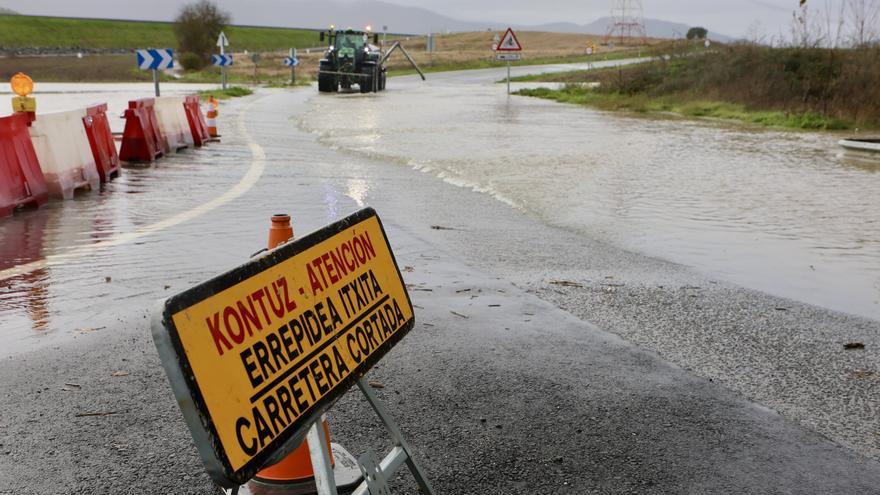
173	122
142	140
197	124
63	152
21	180
101	141
59	153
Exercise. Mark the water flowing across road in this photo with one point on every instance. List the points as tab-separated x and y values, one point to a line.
778	211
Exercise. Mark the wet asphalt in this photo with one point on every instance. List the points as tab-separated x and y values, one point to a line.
504	385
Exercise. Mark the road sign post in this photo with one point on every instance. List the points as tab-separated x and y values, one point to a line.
222	42
255	356
154	60
510	49
293	64
223	61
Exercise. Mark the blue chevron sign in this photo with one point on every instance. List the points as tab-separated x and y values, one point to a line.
153	59
221	60
291	61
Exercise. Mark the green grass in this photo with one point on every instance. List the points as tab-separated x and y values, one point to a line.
225	94
27	31
688	107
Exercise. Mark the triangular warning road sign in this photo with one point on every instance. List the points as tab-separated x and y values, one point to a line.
509	43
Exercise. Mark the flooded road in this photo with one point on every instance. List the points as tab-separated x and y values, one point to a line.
56	97
689	364
770	210
58	276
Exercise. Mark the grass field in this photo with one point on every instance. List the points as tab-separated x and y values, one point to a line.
453	51
27	31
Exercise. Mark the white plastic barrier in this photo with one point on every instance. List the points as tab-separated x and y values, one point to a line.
62	147
172	121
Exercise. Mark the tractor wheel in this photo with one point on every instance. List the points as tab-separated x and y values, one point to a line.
327	82
366	80
382	78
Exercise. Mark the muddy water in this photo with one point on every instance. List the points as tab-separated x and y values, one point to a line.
776	211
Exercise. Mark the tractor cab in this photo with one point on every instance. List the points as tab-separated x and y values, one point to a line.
350	44
351	60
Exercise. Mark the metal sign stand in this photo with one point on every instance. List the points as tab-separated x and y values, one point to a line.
401	453
156	81
376	473
222	42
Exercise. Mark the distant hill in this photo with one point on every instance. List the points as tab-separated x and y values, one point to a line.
5	11
416	20
318	14
656	28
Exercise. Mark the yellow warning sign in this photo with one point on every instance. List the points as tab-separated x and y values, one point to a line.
264	349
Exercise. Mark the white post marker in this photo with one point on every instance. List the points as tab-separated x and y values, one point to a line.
508	45
292	54
222	42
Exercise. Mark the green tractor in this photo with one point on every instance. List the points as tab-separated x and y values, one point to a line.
351	60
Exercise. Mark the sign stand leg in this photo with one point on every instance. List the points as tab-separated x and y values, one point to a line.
319	451
508	77
401	452
156	81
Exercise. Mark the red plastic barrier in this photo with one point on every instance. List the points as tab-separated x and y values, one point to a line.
21	179
197	124
101	142
142	140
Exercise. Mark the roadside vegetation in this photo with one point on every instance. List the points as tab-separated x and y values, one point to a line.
820	79
813	88
226	94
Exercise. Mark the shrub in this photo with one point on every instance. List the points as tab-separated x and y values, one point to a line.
197	27
191	61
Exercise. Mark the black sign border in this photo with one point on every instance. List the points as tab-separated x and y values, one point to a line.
294	433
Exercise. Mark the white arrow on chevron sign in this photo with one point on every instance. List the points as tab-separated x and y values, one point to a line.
155	59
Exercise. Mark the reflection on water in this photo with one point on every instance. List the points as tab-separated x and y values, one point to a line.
85	286
777	211
21	241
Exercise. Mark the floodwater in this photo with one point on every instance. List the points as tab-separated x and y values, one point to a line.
780	212
56	97
84	293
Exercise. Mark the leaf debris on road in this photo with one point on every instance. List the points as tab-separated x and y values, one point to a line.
567	283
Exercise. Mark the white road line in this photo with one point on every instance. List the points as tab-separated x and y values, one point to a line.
247	182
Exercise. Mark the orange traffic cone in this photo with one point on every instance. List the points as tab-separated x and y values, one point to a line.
211	117
297	466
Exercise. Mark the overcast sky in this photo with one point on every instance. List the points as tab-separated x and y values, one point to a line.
731	17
